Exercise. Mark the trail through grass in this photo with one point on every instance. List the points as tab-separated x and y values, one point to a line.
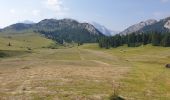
81	73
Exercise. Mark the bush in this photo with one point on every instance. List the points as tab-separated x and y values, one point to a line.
28	48
2	55
116	90
115	97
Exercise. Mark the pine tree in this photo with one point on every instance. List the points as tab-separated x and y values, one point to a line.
135	39
156	39
166	40
145	38
131	40
9	44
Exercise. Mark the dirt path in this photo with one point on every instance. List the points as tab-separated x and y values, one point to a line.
58	78
81	57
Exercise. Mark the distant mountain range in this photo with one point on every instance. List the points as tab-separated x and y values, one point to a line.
51	25
27	22
149	26
72	30
103	29
161	26
64	29
137	27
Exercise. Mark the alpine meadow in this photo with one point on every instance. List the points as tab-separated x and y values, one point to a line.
85	50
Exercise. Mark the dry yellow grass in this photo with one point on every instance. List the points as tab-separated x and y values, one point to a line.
60	74
85	73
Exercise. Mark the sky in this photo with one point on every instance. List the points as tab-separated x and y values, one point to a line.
114	14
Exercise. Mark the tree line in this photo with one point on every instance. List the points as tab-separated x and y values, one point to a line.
68	35
135	40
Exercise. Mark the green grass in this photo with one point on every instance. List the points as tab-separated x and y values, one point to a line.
148	78
23	41
147	81
86	72
12	53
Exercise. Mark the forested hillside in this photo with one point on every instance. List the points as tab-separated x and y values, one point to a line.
135	40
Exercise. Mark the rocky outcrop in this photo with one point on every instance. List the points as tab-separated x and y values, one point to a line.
138	27
167	24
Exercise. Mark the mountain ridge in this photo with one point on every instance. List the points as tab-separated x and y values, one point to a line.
137	27
51	24
59	30
161	26
151	25
103	29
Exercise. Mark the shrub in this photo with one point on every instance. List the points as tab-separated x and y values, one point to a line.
116	90
2	55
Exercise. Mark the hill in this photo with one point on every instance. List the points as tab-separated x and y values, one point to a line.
23	41
85	72
161	26
103	29
60	30
68	30
138	27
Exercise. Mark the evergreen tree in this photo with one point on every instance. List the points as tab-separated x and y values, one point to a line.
156	39
131	40
135	39
9	44
166	40
145	38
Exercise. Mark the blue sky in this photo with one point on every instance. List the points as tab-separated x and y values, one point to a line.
114	14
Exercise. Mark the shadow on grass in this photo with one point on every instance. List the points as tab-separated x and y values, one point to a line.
12	53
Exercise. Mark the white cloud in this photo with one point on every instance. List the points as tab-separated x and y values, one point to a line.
57	6
13	11
165	1
36	12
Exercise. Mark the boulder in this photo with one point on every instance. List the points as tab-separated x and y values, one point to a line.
167	66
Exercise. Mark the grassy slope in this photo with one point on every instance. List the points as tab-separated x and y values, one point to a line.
55	73
148	78
21	41
87	72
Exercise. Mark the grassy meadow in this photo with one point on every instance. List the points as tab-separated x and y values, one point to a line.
80	73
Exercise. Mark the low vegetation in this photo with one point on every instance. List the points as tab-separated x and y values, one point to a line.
148	78
12	53
85	72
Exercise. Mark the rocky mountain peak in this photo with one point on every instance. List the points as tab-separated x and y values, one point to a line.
103	29
139	26
167	24
150	22
90	28
69	20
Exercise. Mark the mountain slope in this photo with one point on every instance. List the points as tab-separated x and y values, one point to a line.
53	25
27	22
160	26
138	27
68	30
103	29
59	30
17	27
23	41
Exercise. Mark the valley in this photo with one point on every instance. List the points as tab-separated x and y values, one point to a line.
84	72
85	50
